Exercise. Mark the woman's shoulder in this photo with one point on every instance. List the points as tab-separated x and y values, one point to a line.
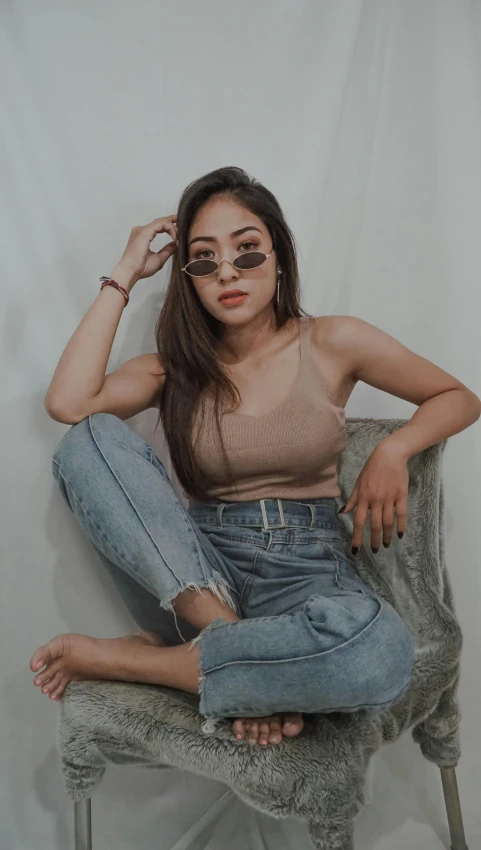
333	331
331	337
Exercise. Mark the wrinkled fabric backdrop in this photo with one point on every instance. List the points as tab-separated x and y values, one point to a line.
364	118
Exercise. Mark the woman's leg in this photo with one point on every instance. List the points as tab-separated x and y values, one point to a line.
340	651
161	564
124	502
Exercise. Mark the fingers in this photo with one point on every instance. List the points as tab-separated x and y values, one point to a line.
387	524
376	526
401	516
359	523
381	524
160	225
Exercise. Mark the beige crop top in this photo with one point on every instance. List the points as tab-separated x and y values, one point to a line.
291	452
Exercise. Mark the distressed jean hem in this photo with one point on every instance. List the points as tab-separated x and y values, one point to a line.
219	587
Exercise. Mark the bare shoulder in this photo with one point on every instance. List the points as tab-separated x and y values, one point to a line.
360	351
331	351
333	330
333	336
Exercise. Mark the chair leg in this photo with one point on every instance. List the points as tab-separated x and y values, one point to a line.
453	808
83	825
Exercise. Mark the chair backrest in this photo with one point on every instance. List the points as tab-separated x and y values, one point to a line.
412	575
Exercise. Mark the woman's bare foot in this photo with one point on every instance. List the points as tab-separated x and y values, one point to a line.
270	729
70	657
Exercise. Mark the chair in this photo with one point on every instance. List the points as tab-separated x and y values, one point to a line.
320	776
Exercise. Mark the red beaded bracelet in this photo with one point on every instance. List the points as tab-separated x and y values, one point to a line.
107	281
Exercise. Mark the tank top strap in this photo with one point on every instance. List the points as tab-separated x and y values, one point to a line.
305	327
309	376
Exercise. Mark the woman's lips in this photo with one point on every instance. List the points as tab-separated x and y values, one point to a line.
232	300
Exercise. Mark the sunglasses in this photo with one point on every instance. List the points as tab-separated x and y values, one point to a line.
248	260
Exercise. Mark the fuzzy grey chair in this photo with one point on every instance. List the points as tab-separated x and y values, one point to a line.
320	775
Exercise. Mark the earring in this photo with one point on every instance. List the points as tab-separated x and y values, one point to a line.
278	282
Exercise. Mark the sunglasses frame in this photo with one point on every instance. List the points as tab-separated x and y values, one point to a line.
266	257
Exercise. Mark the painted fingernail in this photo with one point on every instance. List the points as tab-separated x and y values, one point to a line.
375	550
386	545
400	534
341	509
355	550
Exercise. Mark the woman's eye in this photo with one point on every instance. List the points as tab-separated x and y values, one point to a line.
201	254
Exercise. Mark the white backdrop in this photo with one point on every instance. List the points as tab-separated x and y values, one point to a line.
364	118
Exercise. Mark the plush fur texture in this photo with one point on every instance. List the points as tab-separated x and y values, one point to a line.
318	776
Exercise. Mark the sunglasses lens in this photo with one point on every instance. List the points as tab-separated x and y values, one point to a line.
250	260
201	267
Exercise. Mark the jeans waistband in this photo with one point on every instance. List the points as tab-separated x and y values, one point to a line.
269	513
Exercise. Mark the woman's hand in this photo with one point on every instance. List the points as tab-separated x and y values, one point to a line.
381	487
138	261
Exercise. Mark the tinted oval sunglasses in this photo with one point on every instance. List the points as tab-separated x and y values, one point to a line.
248	260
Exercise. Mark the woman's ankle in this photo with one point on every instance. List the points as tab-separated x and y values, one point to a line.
201	607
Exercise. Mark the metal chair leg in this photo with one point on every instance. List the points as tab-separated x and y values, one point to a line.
83	825
453	808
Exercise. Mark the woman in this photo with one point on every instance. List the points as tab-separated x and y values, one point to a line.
280	621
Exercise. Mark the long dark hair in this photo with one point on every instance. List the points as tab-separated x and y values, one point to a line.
186	333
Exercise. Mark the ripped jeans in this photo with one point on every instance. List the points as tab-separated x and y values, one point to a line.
312	636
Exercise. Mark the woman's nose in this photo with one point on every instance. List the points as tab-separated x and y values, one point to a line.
227	270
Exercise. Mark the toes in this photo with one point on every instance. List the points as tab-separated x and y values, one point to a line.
47	675
39	659
58	692
292	724
43	678
239	728
48	653
264	730
275	736
253	730
52	683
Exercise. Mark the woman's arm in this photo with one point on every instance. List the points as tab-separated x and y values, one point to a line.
80	386
446	406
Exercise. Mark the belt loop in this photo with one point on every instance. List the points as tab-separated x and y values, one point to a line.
313	516
220	509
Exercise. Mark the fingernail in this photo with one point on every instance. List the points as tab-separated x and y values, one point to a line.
400	534
355	550
375	550
386	545
341	509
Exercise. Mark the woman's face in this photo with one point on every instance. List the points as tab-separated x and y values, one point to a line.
212	236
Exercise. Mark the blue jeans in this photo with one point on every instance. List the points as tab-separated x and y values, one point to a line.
312	636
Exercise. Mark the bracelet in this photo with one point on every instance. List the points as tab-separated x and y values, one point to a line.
107	281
